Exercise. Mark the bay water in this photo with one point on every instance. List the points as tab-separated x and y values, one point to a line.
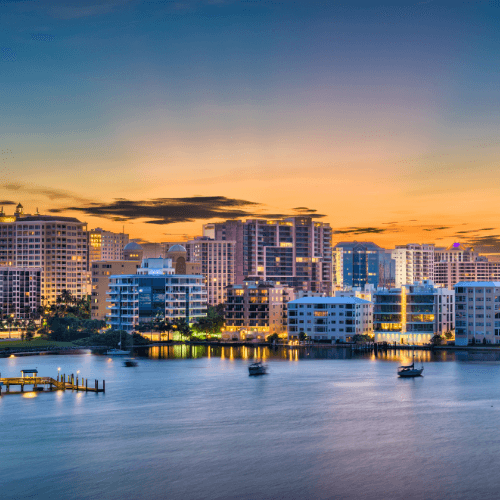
189	423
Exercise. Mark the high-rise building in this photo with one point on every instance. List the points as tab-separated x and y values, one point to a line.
255	310
231	230
455	253
20	292
448	274
138	298
295	251
414	263
358	263
330	318
56	245
413	314
216	259
105	245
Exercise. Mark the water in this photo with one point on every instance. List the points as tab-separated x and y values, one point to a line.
321	425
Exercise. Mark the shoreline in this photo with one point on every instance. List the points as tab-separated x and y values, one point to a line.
45	350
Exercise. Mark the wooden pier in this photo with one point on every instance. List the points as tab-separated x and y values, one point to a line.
48	384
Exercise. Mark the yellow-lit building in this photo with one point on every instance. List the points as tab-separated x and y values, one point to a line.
413	314
106	245
255	310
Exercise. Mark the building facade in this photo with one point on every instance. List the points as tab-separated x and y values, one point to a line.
139	298
477	312
216	259
330	318
413	314
295	251
58	246
414	263
20	292
101	275
449	273
455	253
255	310
357	263
105	245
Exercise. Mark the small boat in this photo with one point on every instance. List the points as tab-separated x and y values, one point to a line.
410	370
257	368
130	362
117	352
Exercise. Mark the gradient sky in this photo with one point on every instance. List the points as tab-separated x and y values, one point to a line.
163	115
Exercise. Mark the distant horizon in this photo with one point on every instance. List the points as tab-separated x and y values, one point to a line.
344	236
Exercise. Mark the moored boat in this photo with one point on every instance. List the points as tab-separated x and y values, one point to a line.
409	371
117	352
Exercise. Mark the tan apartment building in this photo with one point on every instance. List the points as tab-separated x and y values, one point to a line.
56	245
101	273
106	245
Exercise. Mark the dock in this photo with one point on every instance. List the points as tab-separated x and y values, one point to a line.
31	382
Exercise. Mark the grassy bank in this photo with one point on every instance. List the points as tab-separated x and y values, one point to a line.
35	343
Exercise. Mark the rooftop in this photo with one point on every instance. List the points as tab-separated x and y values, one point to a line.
478	284
330	300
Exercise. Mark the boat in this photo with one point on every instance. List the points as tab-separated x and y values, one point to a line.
409	371
257	368
117	352
130	362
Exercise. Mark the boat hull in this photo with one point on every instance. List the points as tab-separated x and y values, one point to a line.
411	373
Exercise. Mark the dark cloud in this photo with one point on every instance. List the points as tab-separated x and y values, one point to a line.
394	222
51	194
7	202
437	228
304	209
172	210
360	230
486	244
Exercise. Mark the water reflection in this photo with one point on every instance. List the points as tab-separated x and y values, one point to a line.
232	353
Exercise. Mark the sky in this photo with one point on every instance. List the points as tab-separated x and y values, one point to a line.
380	117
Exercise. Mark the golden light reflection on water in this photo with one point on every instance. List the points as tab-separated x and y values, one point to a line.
30	395
404	357
289	354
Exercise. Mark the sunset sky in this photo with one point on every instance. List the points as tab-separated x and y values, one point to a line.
160	116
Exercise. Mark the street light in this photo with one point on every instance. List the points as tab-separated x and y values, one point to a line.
10	323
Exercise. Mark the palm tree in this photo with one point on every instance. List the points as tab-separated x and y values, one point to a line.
10	322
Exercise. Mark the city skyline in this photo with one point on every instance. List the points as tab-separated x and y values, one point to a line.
160	117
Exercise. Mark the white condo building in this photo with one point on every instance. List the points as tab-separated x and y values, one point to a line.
477	312
414	263
155	290
413	314
330	318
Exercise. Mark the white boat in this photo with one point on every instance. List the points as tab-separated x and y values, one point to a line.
409	371
117	352
257	368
